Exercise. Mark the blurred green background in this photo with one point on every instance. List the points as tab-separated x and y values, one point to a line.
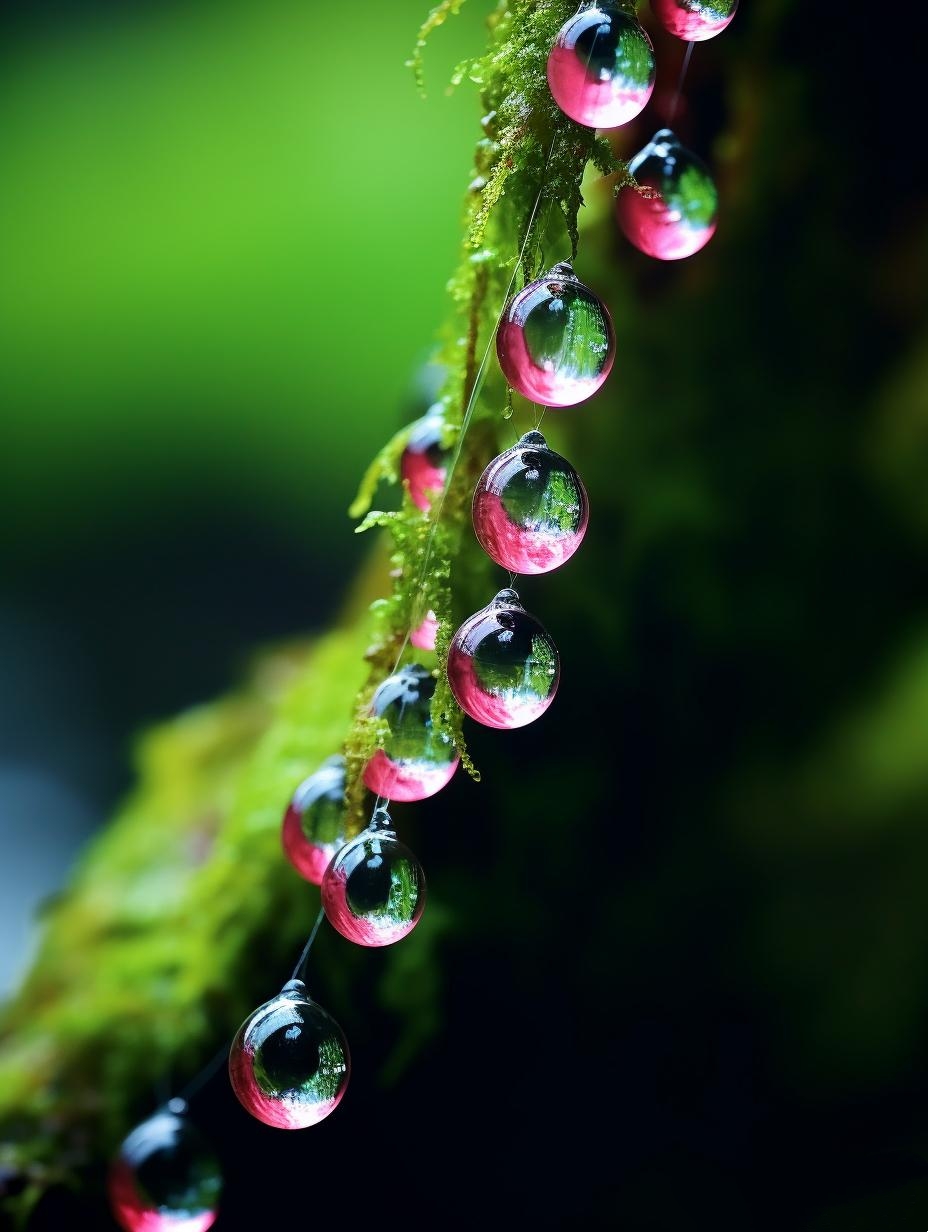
685	959
225	233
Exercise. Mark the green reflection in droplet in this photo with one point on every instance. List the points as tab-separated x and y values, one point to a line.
693	196
568	334
543	497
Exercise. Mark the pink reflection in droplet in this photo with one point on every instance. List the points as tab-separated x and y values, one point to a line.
308	858
406	780
657	230
425	480
376	928
503	712
595	91
691	21
132	1212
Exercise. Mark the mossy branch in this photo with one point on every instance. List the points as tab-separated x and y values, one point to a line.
142	961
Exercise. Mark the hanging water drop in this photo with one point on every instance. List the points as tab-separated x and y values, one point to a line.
165	1177
556	342
424	462
694	20
601	69
314	823
530	508
417	759
289	1063
373	892
677	217
503	667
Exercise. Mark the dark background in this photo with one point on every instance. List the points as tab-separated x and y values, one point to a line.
684	975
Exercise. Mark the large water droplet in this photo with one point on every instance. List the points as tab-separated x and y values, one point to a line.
601	69
373	892
503	667
556	342
165	1178
678	215
694	20
289	1063
417	759
530	508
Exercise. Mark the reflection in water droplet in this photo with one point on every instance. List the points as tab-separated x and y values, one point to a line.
373	892
678	216
530	508
694	21
503	667
165	1178
314	823
424	462
601	69
416	760
555	342
289	1063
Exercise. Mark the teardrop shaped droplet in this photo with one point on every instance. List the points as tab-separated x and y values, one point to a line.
373	892
289	1063
556	342
694	20
314	823
601	69
678	216
417	759
424	462
503	667
530	508
165	1177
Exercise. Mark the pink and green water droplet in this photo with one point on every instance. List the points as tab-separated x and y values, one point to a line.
314	823
694	20
373	892
601	69
556	342
424	461
503	666
530	508
289	1063
676	216
165	1177
417	758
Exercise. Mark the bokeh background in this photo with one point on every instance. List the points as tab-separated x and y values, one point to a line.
686	973
224	259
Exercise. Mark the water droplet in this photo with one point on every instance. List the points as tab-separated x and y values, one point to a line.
373	892
503	667
289	1063
555	341
694	20
530	508
678	217
165	1177
601	69
424	462
416	760
314	823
